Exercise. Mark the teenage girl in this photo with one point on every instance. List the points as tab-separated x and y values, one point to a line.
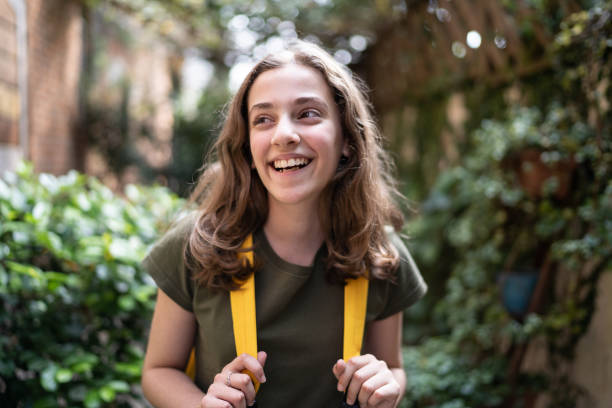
299	167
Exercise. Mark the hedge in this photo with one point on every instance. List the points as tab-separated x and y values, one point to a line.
75	304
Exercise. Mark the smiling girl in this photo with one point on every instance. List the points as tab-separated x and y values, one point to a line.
298	167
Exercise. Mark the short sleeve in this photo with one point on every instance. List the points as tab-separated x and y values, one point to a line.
408	286
165	264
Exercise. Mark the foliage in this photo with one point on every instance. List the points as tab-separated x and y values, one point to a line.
211	25
74	302
487	216
193	135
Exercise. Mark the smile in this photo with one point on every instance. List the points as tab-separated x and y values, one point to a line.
291	164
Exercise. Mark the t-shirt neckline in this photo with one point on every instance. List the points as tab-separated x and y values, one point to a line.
265	250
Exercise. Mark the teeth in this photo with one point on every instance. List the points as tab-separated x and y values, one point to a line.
283	164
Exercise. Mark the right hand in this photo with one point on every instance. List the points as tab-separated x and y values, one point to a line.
240	392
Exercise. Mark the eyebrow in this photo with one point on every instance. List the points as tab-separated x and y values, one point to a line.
303	100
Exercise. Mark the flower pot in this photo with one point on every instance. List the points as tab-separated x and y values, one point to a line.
516	290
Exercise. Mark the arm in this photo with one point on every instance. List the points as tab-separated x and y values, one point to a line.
384	341
164	381
376	378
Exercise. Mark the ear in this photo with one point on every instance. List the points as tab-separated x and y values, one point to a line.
346	151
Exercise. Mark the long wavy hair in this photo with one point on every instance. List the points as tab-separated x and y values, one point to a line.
354	208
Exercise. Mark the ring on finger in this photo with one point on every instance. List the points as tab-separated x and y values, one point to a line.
228	380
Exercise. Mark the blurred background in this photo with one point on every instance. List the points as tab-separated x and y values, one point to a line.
497	114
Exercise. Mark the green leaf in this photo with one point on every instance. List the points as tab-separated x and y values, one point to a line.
107	393
92	399
50	240
47	378
63	375
119	386
131	369
143	293
127	303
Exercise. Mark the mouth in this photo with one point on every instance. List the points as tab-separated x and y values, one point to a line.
283	166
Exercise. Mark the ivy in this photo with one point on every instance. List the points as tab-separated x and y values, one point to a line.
531	195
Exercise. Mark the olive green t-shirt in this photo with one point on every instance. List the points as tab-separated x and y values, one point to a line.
299	317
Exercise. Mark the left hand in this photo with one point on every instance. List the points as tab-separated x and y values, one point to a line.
369	381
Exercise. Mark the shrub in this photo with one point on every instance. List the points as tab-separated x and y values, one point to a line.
74	302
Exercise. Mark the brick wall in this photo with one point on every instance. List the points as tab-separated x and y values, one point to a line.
9	90
55	30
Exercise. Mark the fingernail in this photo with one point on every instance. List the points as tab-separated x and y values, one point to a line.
340	388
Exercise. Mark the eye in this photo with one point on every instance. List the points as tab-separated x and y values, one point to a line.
309	113
261	120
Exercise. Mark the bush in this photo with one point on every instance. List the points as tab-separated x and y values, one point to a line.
75	304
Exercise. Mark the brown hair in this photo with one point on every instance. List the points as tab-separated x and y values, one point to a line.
354	208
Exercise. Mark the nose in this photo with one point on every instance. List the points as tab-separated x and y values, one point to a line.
285	133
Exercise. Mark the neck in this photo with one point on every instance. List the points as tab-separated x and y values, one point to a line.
294	233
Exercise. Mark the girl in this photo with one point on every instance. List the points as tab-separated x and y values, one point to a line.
300	168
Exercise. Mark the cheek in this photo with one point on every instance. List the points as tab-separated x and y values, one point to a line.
257	153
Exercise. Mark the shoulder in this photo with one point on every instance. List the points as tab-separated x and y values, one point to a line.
165	261
179	231
406	261
406	287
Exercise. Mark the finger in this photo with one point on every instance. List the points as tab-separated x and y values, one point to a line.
243	383
351	366
228	395
338	368
385	396
262	356
359	378
247	362
215	396
210	401
369	387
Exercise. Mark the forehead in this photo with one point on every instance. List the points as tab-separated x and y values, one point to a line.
287	83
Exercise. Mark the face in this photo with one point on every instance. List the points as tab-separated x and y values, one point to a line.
294	133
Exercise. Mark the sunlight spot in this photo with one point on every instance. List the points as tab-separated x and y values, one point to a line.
500	42
473	39
458	49
238	22
358	42
237	74
343	56
196	73
443	15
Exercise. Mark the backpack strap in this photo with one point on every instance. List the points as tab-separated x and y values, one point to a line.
242	303
244	321
243	311
355	306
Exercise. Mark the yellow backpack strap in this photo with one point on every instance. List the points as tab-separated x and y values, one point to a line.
355	305
243	312
191	366
242	303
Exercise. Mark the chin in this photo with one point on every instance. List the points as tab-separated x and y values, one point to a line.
291	198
